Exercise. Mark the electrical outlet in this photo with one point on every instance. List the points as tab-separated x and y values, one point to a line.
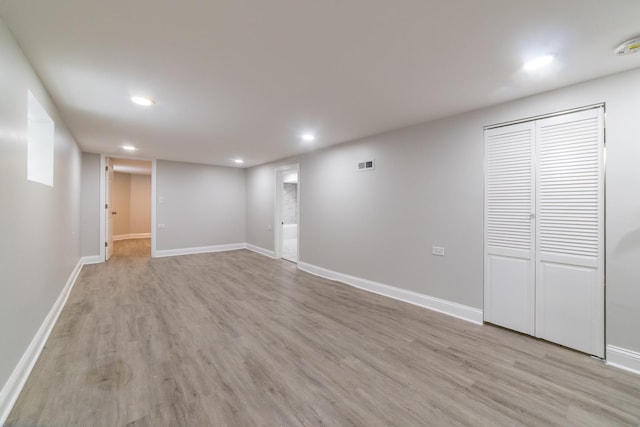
437	250
161	226
269	227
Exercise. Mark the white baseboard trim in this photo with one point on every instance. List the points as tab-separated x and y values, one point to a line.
262	251
11	390
93	259
622	358
132	236
199	250
454	309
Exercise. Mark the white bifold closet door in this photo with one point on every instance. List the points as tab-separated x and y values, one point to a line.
509	227
544	229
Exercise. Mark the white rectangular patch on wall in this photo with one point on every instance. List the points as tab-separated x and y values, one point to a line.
40	137
366	165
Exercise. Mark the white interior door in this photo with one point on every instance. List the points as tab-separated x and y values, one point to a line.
509	297
108	208
570	230
544	229
287	213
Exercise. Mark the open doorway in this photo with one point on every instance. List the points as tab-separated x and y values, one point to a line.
128	207
287	213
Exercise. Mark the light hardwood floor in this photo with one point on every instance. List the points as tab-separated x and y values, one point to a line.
238	339
132	248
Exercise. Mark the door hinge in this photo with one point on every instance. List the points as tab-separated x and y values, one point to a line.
106	244
106	168
106	206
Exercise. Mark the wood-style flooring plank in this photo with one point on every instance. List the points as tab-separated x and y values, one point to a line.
238	339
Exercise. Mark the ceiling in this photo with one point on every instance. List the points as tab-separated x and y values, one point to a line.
244	79
131	166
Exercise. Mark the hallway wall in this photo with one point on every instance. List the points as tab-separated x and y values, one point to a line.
40	243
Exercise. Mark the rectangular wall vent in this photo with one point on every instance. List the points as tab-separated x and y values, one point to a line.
366	165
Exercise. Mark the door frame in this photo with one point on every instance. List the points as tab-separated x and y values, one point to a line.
103	198
109	176
277	229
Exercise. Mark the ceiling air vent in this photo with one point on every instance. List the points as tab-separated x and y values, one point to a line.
367	165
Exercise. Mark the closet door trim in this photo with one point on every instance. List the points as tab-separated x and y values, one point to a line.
560	255
544	116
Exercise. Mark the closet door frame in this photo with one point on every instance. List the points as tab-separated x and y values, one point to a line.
599	335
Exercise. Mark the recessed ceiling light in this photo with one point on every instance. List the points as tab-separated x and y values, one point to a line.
129	148
308	137
538	63
142	100
238	161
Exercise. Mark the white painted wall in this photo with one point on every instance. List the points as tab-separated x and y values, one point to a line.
140	204
90	205
132	201
199	205
39	225
260	205
120	203
427	189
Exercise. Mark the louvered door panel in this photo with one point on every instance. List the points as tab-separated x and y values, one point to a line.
569	231
509	269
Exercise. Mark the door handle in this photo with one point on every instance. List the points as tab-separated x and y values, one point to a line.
114	213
